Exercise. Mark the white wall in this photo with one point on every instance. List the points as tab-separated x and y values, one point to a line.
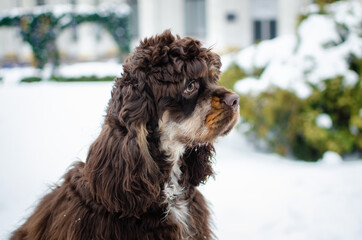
87	46
10	39
12	46
223	33
155	16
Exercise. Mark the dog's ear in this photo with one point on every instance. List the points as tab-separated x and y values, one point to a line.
120	170
199	163
137	111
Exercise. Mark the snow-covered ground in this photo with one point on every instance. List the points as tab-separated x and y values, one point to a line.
112	67
46	126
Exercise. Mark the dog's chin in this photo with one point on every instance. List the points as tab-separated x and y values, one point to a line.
231	125
219	129
224	125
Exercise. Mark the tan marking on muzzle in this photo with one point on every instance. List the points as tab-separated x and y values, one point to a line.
216	113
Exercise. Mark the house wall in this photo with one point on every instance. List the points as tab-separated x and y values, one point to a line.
11	45
157	15
223	33
229	25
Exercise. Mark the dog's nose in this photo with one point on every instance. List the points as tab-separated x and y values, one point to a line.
232	100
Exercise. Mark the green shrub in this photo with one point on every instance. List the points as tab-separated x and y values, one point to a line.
30	79
74	79
273	116
293	124
82	79
231	76
288	123
342	104
323	3
257	71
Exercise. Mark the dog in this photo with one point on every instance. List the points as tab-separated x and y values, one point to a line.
141	174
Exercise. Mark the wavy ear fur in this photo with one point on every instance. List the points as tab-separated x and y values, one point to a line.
199	164
120	170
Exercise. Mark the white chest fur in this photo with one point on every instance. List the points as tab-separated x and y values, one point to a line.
177	204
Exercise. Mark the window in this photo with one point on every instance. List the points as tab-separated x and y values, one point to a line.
257	30
40	2
273	28
264	29
264	14
195	15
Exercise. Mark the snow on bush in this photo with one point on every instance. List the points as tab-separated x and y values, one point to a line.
324	121
331	158
84	71
302	93
97	69
319	51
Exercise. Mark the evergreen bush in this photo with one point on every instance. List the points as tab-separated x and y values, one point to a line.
328	115
41	25
30	79
289	124
82	79
231	76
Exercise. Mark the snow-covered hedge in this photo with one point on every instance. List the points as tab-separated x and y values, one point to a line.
80	72
308	98
41	25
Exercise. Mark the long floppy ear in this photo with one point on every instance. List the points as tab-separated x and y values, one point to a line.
199	163
121	173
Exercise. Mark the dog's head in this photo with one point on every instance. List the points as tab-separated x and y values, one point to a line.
167	100
172	83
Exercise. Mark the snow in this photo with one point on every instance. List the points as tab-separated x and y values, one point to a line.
331	158
46	126
14	75
260	55
59	10
250	85
311	8
110	68
315	31
98	69
319	51
349	15
274	49
323	120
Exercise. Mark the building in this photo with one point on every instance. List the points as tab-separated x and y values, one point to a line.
224	24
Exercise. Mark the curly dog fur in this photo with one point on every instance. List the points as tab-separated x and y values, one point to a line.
141	174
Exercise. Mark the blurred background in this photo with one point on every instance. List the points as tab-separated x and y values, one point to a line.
292	167
227	25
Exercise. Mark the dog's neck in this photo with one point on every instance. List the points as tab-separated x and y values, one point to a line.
177	205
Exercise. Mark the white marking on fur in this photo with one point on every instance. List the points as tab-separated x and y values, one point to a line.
192	129
178	206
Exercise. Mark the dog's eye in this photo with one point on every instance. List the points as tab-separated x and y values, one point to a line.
191	88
